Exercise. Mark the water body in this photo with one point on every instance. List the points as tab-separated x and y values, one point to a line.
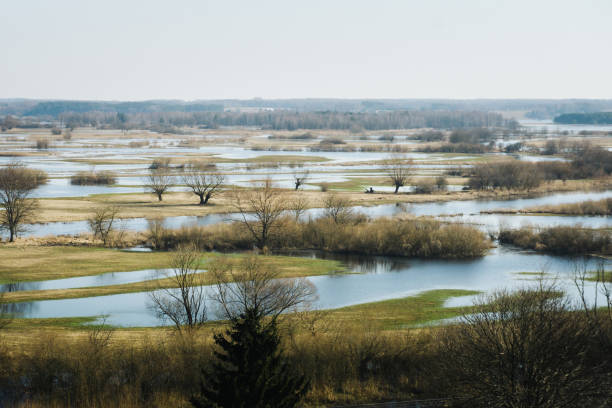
550	126
377	278
104	279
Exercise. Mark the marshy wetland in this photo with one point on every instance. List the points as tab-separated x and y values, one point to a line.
100	248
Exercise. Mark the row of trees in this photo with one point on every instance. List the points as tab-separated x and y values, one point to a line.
291	120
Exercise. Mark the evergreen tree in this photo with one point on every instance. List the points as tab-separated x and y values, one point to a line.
250	371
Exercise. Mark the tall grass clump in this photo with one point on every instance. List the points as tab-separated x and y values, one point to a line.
412	238
92	178
591	207
561	240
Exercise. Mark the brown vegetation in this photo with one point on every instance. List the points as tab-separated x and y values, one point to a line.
561	240
85	178
410	237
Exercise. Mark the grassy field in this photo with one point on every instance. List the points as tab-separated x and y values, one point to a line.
397	314
389	315
33	263
65	262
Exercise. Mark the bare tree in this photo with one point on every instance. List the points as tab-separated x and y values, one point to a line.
337	208
398	169
103	222
184	304
257	289
16	185
260	210
298	206
158	181
524	349
300	178
204	185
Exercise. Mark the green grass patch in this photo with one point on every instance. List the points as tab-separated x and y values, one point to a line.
395	314
288	267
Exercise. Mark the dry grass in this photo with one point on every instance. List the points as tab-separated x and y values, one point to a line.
182	203
33	263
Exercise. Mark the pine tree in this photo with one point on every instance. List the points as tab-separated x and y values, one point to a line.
250	371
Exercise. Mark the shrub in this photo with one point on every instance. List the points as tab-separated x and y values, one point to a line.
471	136
91	178
416	237
560	240
456	148
42	144
430	136
505	175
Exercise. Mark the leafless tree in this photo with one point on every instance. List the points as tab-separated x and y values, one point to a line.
103	222
159	181
204	185
300	178
598	311
337	208
16	185
253	287
524	349
398	169
260	210
298	206
184	304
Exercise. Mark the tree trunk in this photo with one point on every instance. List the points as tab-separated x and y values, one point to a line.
159	196
396	188
206	199
202	202
11	234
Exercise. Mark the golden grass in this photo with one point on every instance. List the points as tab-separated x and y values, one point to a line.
182	203
32	263
65	262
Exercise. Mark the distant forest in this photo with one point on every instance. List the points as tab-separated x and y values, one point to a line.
287	120
532	108
595	118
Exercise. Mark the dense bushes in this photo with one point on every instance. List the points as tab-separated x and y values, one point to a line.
90	178
456	148
527	349
415	238
560	240
471	136
592	162
505	175
536	344
430	136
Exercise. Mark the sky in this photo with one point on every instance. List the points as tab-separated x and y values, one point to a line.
199	49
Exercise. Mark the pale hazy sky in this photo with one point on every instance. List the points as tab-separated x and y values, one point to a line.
198	49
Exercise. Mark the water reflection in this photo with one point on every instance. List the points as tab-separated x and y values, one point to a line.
375	278
469	211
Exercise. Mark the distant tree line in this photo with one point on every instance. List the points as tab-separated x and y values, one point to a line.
290	120
595	118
